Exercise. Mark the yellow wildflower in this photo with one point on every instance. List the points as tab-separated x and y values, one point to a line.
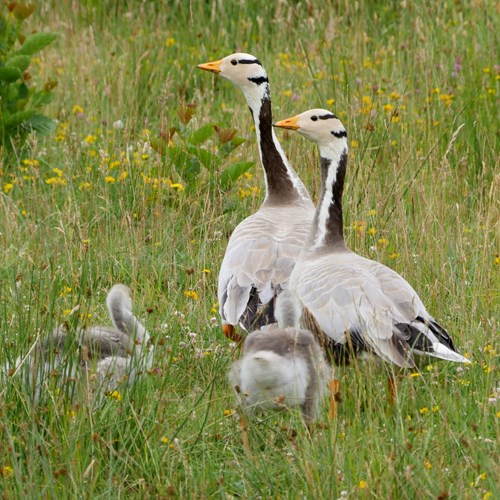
372	212
383	242
191	294
415	375
388	108
228	413
123	176
363	485
424	410
287	93
427	464
354	144
6	471
31	163
170	42
7	187
372	231
394	96
394	255
177	186
330	102
165	440
90	139
76	109
109	179
115	395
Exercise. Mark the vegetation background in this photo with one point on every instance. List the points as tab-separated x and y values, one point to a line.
416	84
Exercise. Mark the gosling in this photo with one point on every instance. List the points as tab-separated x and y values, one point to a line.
282	366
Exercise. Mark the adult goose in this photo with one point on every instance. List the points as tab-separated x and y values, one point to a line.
110	355
262	250
358	303
282	366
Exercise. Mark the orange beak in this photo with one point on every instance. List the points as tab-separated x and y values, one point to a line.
289	123
214	66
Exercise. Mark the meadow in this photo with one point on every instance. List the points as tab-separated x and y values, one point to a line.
131	188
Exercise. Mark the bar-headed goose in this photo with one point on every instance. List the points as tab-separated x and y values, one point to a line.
263	248
358	303
110	355
281	365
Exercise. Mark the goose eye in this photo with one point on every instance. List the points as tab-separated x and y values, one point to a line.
314	118
234	62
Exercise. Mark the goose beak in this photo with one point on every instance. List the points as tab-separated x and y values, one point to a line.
289	123
213	67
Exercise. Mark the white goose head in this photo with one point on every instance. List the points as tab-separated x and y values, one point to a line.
327	131
244	70
320	126
247	72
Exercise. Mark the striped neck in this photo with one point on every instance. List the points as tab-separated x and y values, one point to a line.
327	227
282	182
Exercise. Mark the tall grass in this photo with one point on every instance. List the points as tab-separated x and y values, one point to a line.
415	83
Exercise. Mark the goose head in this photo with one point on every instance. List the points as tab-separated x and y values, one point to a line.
318	125
244	70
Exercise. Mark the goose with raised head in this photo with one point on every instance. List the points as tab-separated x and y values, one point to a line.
282	365
115	355
358	303
263	248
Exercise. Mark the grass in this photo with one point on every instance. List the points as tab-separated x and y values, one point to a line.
416	86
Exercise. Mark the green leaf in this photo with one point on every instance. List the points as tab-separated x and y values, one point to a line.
233	172
208	160
16	119
36	42
20	62
41	98
9	74
42	124
201	135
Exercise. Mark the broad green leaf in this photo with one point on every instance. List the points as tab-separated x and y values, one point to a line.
16	119
36	42
43	125
231	173
9	74
41	98
208	160
201	135
20	62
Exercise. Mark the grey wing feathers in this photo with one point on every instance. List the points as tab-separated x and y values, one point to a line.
260	257
347	293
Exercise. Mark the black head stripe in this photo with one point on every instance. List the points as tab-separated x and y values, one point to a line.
327	117
340	134
259	80
249	61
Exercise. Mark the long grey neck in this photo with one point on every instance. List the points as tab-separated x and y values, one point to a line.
327	229
282	183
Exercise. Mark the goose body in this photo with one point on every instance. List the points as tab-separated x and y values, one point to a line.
110	355
357	303
263	248
281	365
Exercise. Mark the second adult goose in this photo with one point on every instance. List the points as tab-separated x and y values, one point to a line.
358	303
263	248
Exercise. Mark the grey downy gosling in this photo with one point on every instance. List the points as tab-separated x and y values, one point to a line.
108	356
282	365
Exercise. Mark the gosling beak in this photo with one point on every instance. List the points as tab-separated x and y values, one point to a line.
289	123
214	66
